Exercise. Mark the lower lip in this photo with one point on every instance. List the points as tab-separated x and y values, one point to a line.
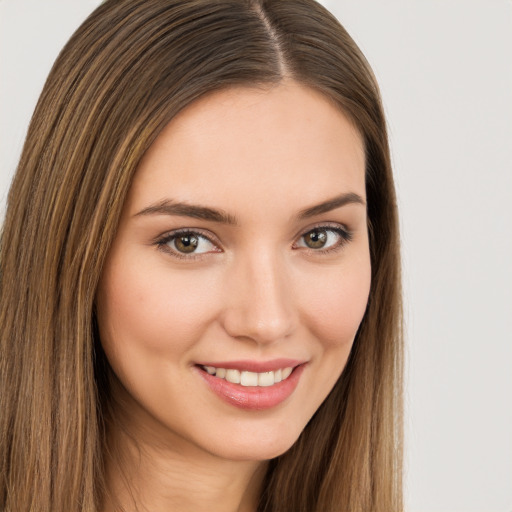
254	398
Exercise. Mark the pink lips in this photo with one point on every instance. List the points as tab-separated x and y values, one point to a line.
253	397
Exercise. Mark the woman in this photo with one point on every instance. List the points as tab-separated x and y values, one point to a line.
200	270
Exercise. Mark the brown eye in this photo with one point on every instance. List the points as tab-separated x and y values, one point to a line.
324	239
316	239
187	243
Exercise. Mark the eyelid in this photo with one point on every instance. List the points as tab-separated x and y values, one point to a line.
325	225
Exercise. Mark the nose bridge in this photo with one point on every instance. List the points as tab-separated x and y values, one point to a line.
260	304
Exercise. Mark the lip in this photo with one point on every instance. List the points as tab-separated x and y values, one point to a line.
254	366
254	398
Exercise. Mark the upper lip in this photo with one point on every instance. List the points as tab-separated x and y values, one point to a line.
254	366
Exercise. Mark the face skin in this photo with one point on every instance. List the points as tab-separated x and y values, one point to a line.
253	289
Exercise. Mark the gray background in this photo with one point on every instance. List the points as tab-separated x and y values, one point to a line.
445	68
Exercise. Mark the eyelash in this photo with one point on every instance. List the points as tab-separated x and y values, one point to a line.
345	236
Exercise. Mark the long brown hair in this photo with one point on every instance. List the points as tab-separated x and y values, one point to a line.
125	73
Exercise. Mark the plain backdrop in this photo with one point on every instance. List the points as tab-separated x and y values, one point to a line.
445	69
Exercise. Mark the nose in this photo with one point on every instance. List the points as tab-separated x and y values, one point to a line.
259	300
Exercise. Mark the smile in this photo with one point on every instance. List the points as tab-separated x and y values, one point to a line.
252	385
247	378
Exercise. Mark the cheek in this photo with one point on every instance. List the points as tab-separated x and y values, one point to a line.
150	312
337	305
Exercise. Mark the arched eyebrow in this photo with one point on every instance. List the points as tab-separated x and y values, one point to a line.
331	204
169	207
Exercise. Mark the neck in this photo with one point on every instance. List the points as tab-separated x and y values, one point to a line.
145	475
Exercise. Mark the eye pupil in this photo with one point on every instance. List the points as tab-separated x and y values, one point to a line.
186	243
316	239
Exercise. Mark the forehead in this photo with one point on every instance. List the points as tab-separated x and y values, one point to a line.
245	145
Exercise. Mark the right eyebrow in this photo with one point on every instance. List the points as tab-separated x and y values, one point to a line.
168	207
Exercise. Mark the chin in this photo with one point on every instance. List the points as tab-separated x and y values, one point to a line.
257	445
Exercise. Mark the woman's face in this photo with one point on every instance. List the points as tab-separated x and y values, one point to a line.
242	255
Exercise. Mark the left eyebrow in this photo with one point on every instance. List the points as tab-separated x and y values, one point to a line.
331	204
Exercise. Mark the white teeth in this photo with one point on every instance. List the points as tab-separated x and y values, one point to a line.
246	378
221	373
249	379
233	376
286	372
266	379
